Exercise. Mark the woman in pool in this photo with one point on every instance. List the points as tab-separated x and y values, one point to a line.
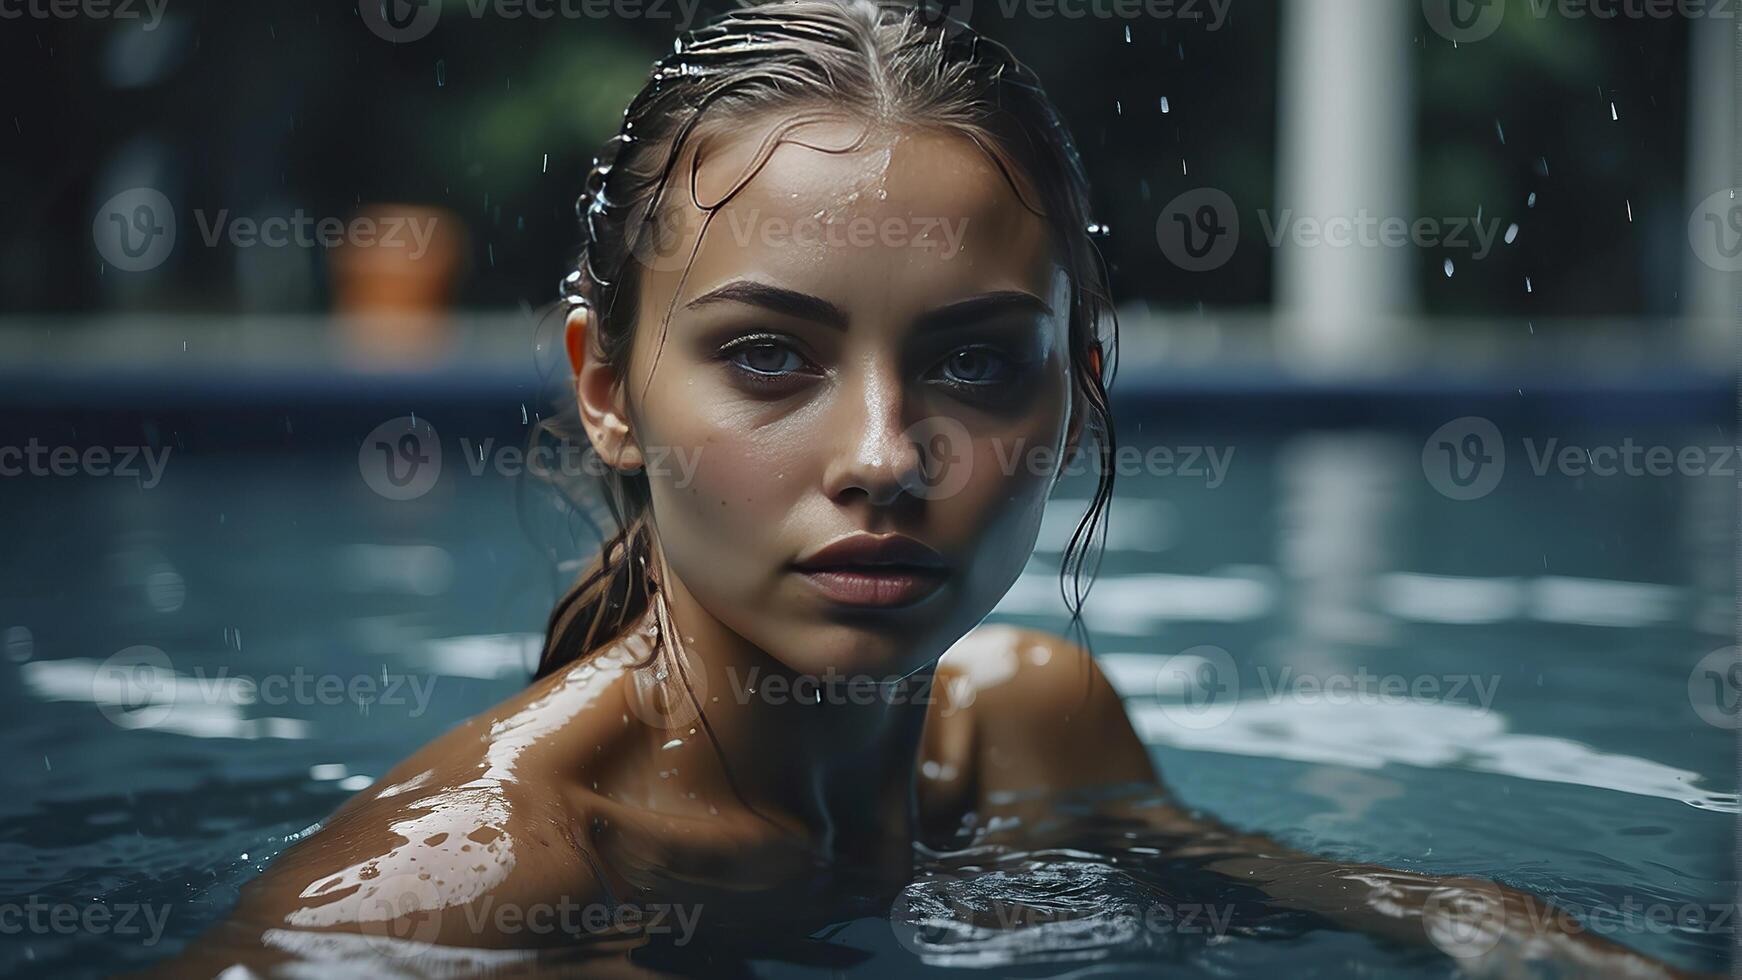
838	258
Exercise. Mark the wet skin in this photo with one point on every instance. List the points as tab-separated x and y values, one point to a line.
796	371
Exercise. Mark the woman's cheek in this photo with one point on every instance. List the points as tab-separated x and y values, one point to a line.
1009	485
730	505
1005	496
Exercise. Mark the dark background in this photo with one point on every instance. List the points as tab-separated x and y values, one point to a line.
271	105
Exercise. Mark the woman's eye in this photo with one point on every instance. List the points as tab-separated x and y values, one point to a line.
767	358
977	366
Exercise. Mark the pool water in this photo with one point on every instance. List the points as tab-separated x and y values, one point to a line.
1318	643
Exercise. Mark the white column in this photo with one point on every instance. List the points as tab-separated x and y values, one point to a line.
1347	110
1710	296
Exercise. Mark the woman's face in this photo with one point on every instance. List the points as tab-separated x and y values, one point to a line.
870	343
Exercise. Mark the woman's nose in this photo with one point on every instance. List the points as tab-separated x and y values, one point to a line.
874	452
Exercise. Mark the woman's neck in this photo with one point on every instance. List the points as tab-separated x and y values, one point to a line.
843	770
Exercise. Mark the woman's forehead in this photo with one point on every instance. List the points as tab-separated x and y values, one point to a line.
831	205
820	155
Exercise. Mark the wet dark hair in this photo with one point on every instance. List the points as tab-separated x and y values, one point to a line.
890	64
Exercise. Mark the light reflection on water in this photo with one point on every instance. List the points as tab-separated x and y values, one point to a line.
1569	759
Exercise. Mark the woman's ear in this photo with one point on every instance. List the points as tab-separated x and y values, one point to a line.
599	394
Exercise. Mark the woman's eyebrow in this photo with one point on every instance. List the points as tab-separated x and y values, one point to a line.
785	301
984	307
804	306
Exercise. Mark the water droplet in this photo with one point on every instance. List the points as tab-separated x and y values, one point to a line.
1448	268
1512	233
1165	108
441	73
1530	202
1527	285
1613	115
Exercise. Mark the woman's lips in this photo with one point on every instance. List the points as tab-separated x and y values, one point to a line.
876	571
875	586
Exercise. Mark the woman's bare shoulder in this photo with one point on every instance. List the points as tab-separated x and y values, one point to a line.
485	824
1016	666
1037	712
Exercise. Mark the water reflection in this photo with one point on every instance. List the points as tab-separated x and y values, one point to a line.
1569	612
